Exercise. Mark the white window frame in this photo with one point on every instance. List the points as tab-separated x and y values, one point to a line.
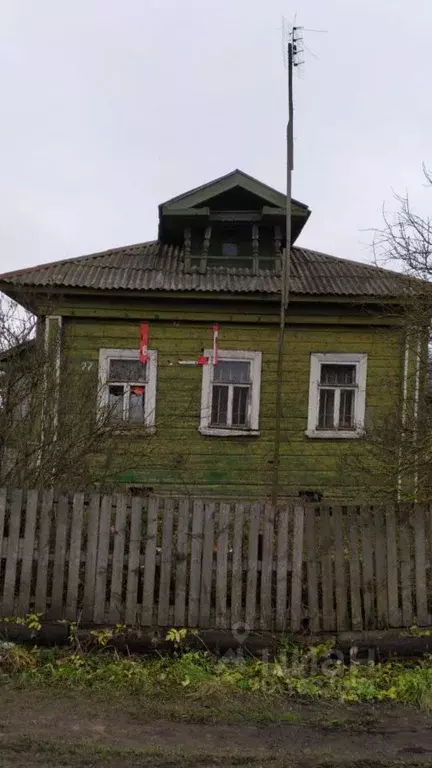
333	358
206	427
105	355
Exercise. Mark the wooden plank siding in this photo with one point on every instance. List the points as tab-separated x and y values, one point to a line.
178	455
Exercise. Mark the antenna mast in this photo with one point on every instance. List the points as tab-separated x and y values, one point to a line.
293	52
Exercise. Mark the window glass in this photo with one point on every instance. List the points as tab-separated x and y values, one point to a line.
116	402
326	409
239	407
230	249
127	370
232	371
220	405
136	405
338	375
346	409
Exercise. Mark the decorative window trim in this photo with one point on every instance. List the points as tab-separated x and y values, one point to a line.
206	428
317	359
105	355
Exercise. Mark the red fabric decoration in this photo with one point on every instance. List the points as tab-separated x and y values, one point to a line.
202	360
138	390
144	338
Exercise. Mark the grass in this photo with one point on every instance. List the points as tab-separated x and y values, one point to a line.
243	687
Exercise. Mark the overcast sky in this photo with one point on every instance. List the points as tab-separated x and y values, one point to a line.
110	107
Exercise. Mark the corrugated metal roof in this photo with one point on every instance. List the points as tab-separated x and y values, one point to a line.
155	267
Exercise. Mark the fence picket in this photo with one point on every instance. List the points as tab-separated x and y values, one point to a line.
207	565
43	551
150	563
91	556
340	570
282	569
102	560
131	615
195	568
380	568
116	603
405	538
392	570
222	566
252	572
58	579
28	553
166	564
237	568
367	569
181	564
354	561
327	571
267	569
420	567
297	569
7	607
74	557
312	570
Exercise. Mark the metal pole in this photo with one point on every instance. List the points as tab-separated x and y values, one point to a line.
286	264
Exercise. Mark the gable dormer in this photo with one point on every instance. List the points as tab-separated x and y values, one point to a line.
234	221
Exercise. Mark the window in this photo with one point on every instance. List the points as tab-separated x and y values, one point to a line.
337	395
230	250
231	394
128	387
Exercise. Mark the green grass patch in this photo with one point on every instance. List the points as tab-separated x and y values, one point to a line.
245	684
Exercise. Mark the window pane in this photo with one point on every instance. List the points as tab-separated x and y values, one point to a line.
338	375
240	403
229	249
232	371
127	370
136	405
219	405
115	402
346	412
326	409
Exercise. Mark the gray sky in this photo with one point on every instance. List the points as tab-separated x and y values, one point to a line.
112	106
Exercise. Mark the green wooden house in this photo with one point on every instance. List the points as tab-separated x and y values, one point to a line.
208	429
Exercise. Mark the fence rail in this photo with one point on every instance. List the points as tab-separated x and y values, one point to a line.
199	563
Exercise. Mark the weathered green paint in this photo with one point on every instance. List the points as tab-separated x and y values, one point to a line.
178	458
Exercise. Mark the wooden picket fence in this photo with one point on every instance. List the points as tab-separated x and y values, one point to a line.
162	562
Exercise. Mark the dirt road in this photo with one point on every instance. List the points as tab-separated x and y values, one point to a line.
75	730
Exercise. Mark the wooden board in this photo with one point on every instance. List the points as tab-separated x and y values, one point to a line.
354	569
252	572
166	564
195	567
237	569
380	568
116	606
58	578
28	553
367	539
181	564
222	567
266	613
74	557
92	529
150	563
131	616
43	549
394	617
406	570
99	615
420	567
338	520
329	622
312	570
297	569
7	606
282	569
207	565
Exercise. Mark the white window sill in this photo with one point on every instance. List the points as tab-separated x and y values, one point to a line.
335	434
217	432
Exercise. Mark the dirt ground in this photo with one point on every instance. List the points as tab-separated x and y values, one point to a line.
73	730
